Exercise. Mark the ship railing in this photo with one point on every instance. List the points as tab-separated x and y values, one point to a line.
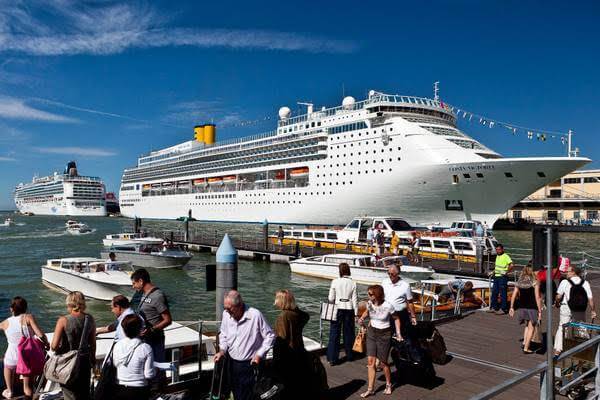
375	98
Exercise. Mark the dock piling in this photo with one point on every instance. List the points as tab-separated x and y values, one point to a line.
227	272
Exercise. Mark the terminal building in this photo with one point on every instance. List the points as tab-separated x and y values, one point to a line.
573	199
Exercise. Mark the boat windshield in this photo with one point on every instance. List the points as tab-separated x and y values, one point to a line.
399	225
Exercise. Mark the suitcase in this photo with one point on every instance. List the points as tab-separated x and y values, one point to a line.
216	385
413	364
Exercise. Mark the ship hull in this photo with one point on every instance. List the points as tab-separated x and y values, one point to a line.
422	194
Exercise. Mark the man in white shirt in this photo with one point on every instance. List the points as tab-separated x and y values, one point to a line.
569	311
398	293
120	307
246	337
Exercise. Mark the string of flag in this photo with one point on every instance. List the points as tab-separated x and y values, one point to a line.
540	134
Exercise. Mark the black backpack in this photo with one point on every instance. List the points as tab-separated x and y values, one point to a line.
578	299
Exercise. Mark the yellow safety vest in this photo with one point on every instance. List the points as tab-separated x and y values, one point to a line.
502	263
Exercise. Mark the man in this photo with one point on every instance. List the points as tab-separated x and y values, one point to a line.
154	309
245	337
451	290
120	307
574	296
370	237
398	293
394	243
280	236
380	242
503	267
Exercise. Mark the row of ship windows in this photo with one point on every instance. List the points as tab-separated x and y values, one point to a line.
374	142
227	203
331	138
350	173
455	178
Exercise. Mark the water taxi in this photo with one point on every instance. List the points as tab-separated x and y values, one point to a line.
364	269
77	228
119	239
8	222
150	255
95	278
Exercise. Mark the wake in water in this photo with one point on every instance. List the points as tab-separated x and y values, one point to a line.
34	235
76	233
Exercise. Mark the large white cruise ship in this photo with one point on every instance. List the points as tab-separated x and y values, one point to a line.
62	194
385	155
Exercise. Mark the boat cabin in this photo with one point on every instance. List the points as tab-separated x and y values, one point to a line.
356	230
88	264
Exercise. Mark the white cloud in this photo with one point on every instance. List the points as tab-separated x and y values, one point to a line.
76	151
7	159
14	108
113	29
188	113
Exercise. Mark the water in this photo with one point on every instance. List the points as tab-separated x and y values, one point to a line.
26	246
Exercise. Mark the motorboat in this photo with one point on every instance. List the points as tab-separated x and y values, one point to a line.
8	222
363	268
120	239
77	228
95	278
150	255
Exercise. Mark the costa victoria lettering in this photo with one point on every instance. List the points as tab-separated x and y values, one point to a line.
472	168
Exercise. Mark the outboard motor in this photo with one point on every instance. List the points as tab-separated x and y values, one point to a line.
71	169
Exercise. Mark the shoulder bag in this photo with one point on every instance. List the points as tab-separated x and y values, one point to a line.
328	311
30	353
64	368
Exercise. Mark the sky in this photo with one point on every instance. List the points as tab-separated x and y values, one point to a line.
102	82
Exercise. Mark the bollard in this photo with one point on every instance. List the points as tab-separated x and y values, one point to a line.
227	274
265	234
186	227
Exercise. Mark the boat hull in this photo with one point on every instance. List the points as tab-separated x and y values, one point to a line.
69	282
147	260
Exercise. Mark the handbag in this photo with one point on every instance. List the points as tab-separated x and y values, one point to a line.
107	384
360	342
64	368
30	354
328	311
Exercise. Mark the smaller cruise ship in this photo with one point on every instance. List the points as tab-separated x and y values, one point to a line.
62	194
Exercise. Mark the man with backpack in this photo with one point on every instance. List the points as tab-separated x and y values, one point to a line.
573	297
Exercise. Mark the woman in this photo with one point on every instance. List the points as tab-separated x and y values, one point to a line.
15	327
134	361
379	336
527	289
343	294
289	354
67	336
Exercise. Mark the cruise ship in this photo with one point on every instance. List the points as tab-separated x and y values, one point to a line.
384	155
62	194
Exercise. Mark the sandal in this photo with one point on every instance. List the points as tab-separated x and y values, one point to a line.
369	392
7	394
528	351
388	388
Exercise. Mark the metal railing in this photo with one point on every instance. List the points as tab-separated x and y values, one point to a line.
514	381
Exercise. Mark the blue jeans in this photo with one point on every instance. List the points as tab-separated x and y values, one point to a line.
345	324
500	285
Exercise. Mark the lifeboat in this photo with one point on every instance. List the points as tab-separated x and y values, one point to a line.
198	182
167	184
183	183
229	179
156	186
299	173
146	187
215	180
279	175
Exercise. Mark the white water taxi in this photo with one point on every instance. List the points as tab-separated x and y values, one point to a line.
94	277
120	239
77	228
150	255
8	222
363	269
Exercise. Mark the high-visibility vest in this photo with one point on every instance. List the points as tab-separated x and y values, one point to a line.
502	263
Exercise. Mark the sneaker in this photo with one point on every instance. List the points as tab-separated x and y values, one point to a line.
491	310
500	312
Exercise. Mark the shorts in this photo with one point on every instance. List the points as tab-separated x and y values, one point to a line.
379	342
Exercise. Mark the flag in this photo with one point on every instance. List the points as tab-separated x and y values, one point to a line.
491	124
529	134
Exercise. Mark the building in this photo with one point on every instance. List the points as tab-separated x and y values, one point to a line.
575	198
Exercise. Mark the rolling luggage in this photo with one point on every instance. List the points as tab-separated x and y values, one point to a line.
216	385
413	364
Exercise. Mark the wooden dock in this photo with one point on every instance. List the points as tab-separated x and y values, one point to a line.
486	351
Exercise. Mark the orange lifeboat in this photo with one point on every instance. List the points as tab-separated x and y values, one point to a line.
199	181
146	187
229	179
299	173
215	180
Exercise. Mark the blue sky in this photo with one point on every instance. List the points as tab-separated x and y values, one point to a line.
101	82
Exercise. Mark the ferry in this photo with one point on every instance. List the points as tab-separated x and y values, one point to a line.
62	194
386	154
454	243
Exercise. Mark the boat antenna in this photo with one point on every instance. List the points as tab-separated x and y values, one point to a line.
570	151
436	90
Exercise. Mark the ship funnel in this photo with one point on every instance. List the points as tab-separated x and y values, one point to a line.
210	133
71	169
199	133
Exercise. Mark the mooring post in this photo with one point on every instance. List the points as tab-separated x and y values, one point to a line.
227	272
265	234
186	227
